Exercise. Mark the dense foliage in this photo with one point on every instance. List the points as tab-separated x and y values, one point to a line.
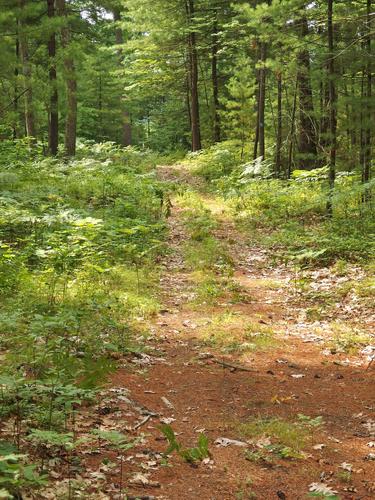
79	242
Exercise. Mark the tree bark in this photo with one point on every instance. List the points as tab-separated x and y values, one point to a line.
261	105
16	75
292	132
193	76
126	139
27	74
307	149
366	169
71	86
324	118
215	81
53	122
279	135
256	138
262	101
332	108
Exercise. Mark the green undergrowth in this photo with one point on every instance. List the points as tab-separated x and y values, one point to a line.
348	338
210	287
289	216
233	332
191	455
279	438
207	257
79	243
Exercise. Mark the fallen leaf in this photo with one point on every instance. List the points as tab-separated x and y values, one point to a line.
346	466
229	442
319	446
322	489
143	480
167	403
167	421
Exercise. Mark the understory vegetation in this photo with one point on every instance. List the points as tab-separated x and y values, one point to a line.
289	216
79	244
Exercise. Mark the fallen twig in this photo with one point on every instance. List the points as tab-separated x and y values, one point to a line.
144	421
139	498
232	367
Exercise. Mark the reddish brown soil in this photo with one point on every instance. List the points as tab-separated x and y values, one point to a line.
208	396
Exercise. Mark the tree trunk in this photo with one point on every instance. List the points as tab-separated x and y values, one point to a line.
262	102
188	107
100	134
362	133
194	95
332	108
126	139
53	122
27	83
215	82
261	105
16	75
366	169
307	133
279	135
256	138
292	132
353	111
71	86
324	118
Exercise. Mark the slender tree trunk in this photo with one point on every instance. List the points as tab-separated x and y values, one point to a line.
307	133
53	122
193	63
347	114
71	86
256	138
126	139
260	104
100	107
362	133
324	118
16	75
279	134
332	108
262	101
366	170
354	113
188	107
215	81
292	132
27	82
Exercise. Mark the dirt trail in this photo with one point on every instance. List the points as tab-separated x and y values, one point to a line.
182	382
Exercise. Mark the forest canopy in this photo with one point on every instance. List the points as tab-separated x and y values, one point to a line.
289	81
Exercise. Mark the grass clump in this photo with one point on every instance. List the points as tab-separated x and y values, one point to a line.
235	333
278	438
203	252
209	287
208	254
348	339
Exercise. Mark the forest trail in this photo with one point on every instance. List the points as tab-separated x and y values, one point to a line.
187	381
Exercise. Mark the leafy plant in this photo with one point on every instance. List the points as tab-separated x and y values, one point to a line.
196	454
15	475
289	438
